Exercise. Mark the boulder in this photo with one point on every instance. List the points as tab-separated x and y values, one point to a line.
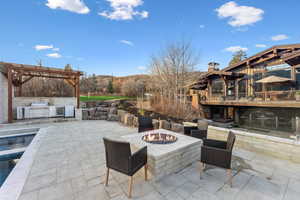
135	121
99	113
176	127
113	111
128	119
101	117
103	109
164	124
115	104
121	114
112	117
155	123
85	114
202	124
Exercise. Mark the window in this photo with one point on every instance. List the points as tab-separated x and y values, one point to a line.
231	88
242	88
257	86
217	87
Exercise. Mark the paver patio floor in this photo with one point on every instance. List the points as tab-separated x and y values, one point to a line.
70	165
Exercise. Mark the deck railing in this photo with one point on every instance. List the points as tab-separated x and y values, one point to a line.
273	96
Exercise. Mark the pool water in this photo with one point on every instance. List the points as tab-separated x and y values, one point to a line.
5	168
14	142
9	160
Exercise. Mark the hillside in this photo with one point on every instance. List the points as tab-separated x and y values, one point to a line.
99	83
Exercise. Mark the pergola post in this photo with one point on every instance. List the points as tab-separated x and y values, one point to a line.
9	94
78	92
20	87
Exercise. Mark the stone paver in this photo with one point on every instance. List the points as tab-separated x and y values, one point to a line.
70	164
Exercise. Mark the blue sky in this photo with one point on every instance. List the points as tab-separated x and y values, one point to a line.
119	36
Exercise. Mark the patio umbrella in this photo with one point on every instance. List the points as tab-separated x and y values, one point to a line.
273	79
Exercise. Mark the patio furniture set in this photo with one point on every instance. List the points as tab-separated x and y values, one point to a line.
164	152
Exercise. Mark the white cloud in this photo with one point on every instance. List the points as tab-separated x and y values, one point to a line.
202	26
43	47
127	42
77	6
54	55
279	37
261	45
55	49
142	68
234	49
240	15
124	10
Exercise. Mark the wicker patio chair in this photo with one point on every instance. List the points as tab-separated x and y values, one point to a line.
145	124
200	134
188	130
119	158
218	153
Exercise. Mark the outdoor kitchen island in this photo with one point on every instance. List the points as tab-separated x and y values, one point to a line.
167	158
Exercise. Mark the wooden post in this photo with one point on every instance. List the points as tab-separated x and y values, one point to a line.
78	92
9	90
293	73
225	86
20	87
237	89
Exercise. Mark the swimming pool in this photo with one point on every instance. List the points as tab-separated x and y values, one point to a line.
12	148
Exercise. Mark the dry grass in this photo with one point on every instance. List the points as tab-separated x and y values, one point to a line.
178	110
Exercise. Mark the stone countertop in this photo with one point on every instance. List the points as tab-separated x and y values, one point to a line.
158	150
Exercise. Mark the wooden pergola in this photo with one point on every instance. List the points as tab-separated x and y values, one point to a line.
18	74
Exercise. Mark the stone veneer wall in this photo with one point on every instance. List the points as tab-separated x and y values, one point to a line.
3	98
55	101
274	146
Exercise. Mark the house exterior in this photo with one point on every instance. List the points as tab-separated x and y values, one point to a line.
260	92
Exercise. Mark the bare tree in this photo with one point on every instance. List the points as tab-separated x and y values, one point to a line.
173	70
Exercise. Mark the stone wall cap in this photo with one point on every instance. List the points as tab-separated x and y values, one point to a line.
267	137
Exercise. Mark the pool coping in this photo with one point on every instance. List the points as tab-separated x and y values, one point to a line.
14	183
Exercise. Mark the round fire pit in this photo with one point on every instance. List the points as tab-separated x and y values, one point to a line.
159	138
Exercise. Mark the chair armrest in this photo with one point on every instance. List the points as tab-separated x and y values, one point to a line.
138	159
216	156
215	143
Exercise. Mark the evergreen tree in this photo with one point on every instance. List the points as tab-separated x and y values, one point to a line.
110	87
68	67
238	57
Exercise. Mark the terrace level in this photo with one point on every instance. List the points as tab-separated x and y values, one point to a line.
69	164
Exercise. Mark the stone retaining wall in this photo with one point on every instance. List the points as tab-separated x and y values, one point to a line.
273	146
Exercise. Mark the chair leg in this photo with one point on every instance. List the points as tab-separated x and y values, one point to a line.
146	172
229	172
130	187
107	177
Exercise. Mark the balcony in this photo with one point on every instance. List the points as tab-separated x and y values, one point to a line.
263	99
